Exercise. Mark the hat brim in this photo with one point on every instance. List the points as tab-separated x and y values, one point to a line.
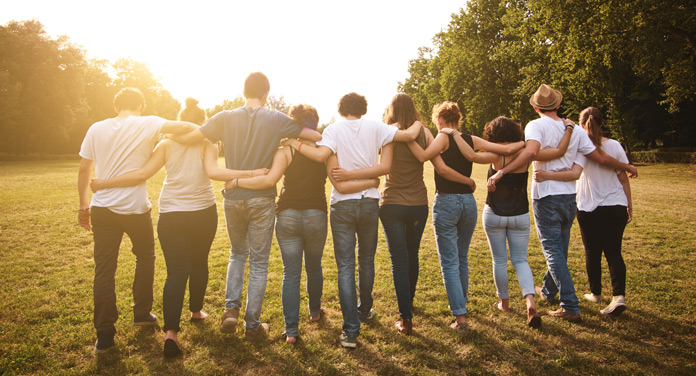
552	106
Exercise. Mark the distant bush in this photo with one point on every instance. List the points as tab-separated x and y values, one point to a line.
661	156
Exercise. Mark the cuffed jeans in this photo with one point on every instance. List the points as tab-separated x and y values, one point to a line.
301	232
250	228
512	231
403	228
602	231
454	219
185	238
108	228
350	218
554	217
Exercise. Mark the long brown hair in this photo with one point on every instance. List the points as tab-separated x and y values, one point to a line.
401	110
593	120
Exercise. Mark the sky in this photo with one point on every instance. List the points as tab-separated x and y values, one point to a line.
312	51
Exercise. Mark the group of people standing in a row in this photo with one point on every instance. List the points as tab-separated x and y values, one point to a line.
348	153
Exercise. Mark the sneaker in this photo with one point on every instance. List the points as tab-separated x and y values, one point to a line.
369	317
105	342
145	320
541	295
348	342
229	320
562	314
616	307
593	298
404	326
171	349
260	332
459	327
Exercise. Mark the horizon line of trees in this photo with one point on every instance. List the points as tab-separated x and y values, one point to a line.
50	92
633	59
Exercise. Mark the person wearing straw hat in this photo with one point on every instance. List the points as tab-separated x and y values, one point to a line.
554	203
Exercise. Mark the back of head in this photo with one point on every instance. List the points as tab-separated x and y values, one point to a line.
449	112
129	98
352	104
401	110
592	120
192	113
503	129
256	85
304	115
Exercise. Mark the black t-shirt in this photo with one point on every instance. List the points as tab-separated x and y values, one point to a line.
456	161
303	185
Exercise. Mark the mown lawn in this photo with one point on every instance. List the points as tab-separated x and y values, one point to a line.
46	271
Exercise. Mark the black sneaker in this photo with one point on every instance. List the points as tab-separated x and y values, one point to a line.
105	342
145	320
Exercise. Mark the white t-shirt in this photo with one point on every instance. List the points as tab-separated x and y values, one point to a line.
548	133
117	147
187	187
599	185
356	144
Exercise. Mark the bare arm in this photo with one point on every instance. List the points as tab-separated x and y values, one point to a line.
215	172
135	177
317	154
609	162
410	134
527	154
188	137
178	127
310	134
281	160
485	157
434	148
549	154
350	186
382	168
450	174
501	149
84	176
567	175
623	179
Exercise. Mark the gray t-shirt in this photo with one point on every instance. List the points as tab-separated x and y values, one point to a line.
250	137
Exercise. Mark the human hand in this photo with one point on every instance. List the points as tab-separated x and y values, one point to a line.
376	182
83	216
568	122
632	171
231	184
448	130
96	185
494	179
540	175
260	172
630	214
340	174
472	185
286	141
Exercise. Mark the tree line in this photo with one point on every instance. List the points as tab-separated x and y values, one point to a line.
634	59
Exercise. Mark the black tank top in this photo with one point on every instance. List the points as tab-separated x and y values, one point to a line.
455	160
303	185
510	195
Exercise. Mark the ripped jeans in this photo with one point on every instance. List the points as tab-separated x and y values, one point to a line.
403	228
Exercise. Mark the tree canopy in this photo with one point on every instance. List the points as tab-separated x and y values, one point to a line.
634	59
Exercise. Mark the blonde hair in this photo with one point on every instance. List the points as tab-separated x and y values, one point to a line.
448	111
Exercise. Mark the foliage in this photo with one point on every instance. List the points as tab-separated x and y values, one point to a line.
604	53
660	156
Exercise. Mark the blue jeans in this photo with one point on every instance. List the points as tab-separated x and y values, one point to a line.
350	218
403	228
554	217
301	232
512	231
250	228
454	219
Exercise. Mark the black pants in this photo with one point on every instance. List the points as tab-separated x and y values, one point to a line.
108	228
186	238
602	231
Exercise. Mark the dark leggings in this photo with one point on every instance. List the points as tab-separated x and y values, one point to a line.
602	231
186	238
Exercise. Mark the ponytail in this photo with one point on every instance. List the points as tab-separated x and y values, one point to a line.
593	121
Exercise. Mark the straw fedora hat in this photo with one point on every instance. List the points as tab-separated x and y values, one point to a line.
546	98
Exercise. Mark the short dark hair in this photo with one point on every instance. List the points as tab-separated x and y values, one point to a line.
129	98
256	85
548	111
352	104
503	129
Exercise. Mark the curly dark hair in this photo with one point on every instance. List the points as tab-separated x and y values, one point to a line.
448	111
129	98
352	104
503	129
304	115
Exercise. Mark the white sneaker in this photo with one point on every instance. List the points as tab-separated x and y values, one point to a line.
616	307
593	298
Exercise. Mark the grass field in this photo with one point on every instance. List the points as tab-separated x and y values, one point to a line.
46	271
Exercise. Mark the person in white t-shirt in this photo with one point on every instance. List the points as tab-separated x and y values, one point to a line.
356	143
604	210
554	201
112	147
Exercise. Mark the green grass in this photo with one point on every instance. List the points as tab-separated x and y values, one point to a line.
46	271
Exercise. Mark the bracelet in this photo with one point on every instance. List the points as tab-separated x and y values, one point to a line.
82	210
236	183
300	147
570	126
